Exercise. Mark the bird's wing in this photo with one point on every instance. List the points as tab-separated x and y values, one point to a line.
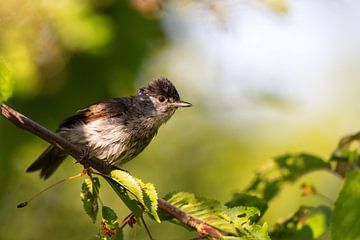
108	108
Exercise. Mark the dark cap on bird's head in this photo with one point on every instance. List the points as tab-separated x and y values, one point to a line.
162	88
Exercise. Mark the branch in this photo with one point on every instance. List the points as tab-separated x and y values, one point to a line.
29	125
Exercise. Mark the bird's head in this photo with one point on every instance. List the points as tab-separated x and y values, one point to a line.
163	96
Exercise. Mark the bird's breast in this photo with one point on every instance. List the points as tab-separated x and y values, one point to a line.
112	141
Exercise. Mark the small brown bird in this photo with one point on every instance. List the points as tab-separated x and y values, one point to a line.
115	130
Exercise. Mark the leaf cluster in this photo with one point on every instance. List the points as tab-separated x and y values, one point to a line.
240	217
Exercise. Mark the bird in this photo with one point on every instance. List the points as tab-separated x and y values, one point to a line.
115	130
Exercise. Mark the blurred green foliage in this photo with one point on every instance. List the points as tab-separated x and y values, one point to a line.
306	223
346	216
6	85
283	169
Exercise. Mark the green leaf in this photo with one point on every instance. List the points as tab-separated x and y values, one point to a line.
283	169
119	235
150	198
144	193
306	223
6	83
131	203
231	238
110	219
345	221
109	225
89	197
244	199
234	221
129	183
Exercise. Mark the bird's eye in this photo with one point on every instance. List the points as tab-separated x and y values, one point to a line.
161	99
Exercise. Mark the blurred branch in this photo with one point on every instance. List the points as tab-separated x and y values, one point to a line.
29	125
346	155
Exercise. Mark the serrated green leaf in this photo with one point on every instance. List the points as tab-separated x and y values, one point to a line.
110	219
6	83
109	225
89	197
150	198
306	223
260	232
345	221
145	193
283	169
240	216
244	199
235	221
129	183
131	203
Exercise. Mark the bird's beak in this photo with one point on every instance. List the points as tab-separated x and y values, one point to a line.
182	104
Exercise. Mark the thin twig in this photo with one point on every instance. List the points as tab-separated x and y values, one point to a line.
126	221
24	204
146	227
29	125
136	230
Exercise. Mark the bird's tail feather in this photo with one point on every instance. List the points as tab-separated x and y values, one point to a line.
48	162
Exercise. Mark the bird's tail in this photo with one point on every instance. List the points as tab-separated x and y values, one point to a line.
48	162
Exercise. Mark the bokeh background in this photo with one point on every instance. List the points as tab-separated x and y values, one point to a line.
266	77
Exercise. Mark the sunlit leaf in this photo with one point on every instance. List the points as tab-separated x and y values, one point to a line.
129	200
129	183
150	198
283	169
306	223
6	84
236	221
345	221
144	193
89	197
243	199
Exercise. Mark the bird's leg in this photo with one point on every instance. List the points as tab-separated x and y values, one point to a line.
85	154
